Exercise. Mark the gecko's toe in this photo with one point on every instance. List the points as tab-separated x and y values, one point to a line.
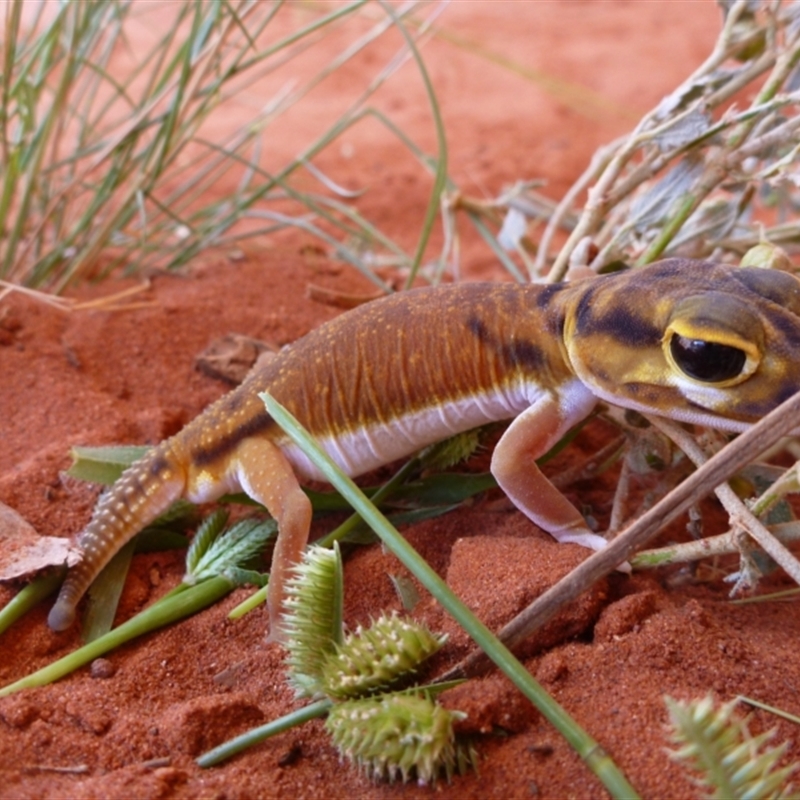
593	541
584	538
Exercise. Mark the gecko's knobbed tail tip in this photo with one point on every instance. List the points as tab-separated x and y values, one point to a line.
61	616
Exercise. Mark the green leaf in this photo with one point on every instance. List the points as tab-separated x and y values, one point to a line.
235	548
246	577
103	464
104	594
406	590
452	451
156	540
209	530
445	488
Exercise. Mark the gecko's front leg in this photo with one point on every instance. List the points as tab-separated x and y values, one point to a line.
529	436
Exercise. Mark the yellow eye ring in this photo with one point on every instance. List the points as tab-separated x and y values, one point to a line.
716	358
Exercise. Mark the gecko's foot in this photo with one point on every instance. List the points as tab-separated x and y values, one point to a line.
591	540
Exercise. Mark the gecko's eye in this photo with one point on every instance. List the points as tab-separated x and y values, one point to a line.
710	362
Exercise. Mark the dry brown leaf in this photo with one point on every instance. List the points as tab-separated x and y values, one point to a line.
23	552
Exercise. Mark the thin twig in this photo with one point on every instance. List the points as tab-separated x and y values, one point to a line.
598	163
723	544
740	515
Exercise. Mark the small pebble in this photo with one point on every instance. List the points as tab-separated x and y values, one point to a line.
102	668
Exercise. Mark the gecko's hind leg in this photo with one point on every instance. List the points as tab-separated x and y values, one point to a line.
266	475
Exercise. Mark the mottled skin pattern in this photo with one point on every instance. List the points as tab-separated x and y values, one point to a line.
390	377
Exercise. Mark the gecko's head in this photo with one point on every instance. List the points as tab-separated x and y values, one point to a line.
692	340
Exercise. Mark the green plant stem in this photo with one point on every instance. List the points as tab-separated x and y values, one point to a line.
495	247
440	179
27	598
687	207
784	532
181	602
586	747
250	603
234	746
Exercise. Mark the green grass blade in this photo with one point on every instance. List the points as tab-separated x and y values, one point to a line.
104	594
387	490
103	464
175	606
440	179
32	594
495	247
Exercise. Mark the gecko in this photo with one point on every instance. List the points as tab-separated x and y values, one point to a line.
694	341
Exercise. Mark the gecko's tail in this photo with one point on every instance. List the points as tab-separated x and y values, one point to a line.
144	491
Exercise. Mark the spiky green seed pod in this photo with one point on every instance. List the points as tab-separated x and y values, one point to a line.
454	450
371	659
396	735
731	762
313	622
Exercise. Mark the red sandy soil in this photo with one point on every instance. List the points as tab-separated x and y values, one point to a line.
101	377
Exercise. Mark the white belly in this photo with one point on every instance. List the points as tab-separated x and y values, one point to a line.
368	448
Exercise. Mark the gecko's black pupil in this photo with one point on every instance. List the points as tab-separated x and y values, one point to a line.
710	362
